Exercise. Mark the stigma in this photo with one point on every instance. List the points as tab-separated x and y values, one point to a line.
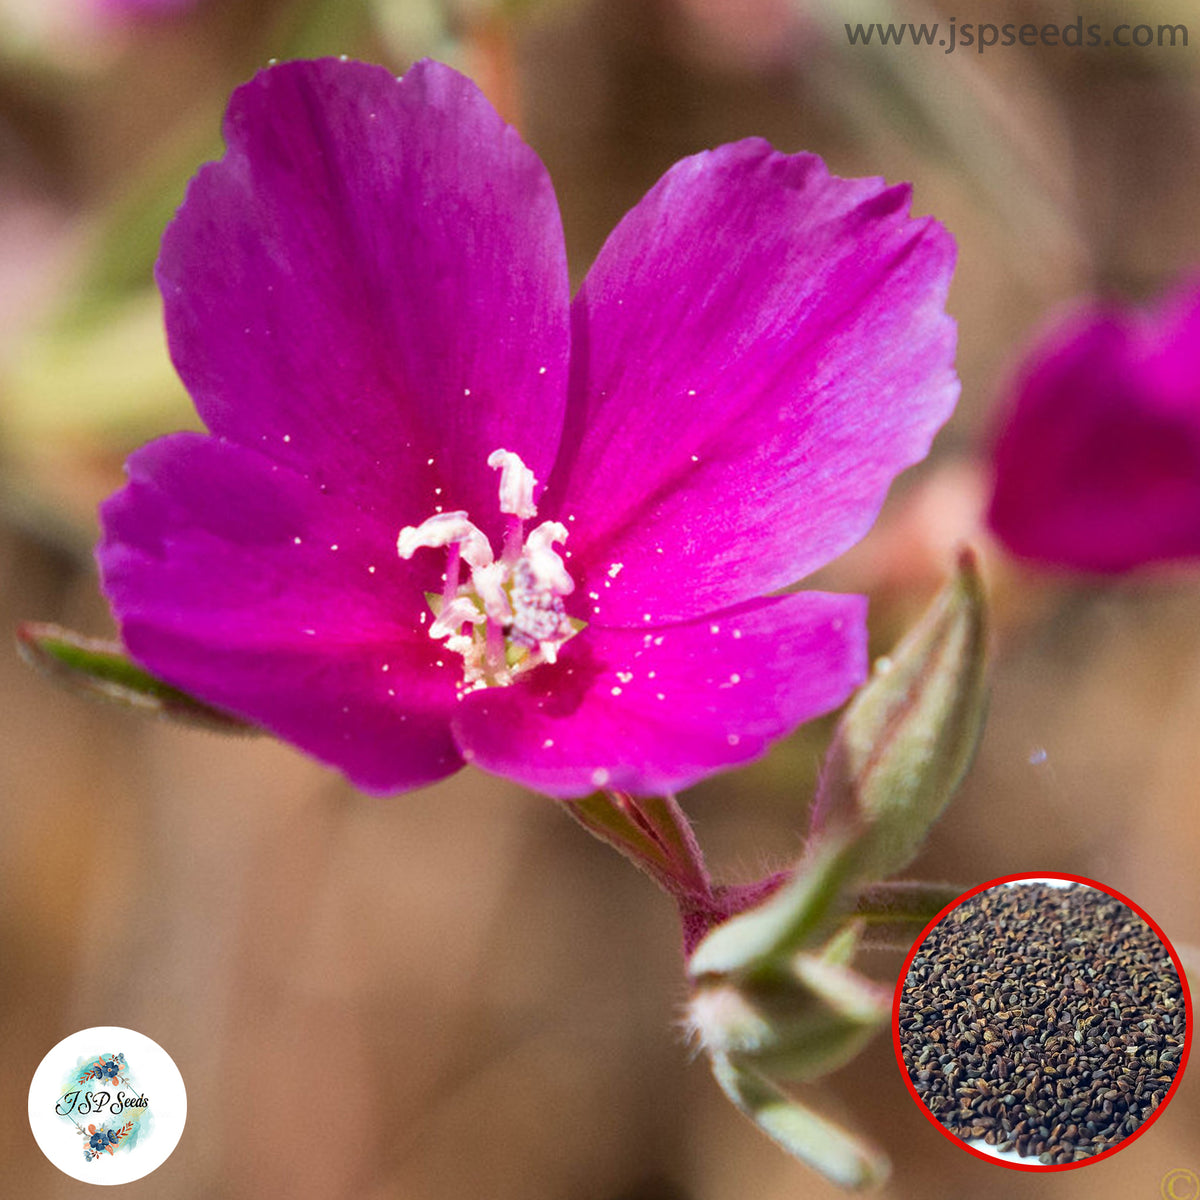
504	615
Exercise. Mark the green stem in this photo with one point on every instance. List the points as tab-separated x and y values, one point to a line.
892	914
655	835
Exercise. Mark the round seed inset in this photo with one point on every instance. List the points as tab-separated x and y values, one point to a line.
1042	1022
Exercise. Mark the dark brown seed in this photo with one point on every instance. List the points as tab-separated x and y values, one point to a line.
1048	1020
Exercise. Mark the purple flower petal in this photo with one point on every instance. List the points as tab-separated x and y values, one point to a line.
655	710
1097	465
367	297
238	580
759	349
371	286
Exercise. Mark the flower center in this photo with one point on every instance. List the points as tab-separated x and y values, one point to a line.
506	617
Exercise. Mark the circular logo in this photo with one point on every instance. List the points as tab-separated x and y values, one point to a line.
107	1105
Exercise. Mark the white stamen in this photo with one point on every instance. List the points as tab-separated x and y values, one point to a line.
459	643
516	484
547	567
457	613
443	529
489	583
508	617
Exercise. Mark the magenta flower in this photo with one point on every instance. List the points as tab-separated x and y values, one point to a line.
1097	464
445	514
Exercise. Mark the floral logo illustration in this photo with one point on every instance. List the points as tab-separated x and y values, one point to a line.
102	1087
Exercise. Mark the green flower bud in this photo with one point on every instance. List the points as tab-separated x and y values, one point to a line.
906	740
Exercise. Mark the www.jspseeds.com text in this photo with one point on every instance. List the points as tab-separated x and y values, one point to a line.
983	36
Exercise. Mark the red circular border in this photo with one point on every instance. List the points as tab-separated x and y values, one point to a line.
1187	1018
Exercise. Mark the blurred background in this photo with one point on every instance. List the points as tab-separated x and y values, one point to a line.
457	993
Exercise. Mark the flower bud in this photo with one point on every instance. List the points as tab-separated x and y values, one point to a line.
907	738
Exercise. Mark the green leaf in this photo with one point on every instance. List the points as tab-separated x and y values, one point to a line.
844	991
760	940
102	668
844	944
798	1027
837	1154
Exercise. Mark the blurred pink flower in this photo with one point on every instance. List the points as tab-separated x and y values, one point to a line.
125	9
1097	462
748	34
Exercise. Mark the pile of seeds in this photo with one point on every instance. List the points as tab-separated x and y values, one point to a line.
1041	1019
